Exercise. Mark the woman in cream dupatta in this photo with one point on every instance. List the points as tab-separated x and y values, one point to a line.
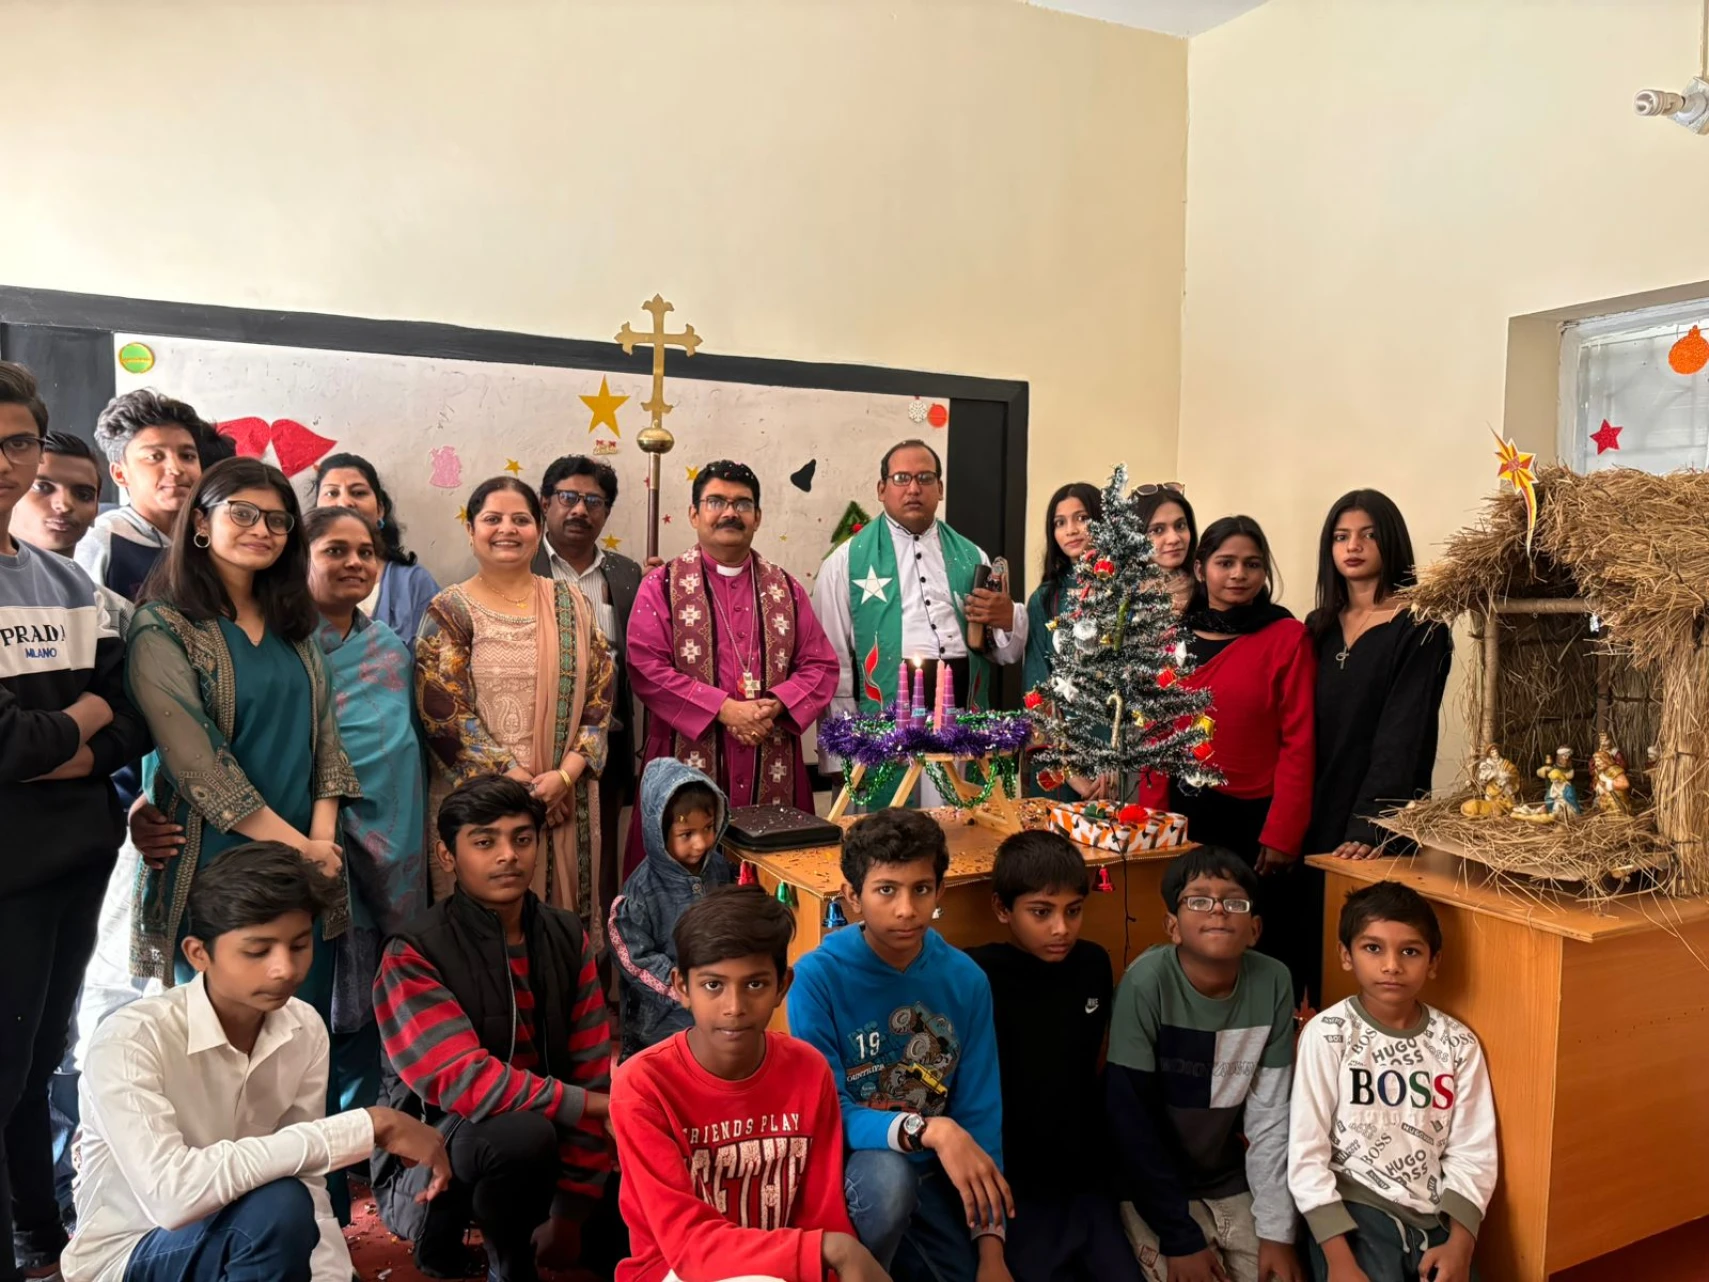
513	677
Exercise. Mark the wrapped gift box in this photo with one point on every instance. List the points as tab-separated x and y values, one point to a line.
1096	824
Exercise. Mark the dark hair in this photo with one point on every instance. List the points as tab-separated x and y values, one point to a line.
483	800
731	472
214	446
251	885
562	469
1393	542
184	577
732	921
688	799
1145	508
893	836
1387	901
1036	862
1216	534
389	532
1057	567
131	412
18	387
69	446
318	520
1206	861
912	443
487	488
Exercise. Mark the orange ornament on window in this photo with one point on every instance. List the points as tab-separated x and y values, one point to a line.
1690	353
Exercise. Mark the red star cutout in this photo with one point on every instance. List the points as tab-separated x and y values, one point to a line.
1607	437
667	518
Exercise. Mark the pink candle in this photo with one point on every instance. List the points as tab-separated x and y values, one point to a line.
919	704
938	698
949	694
902	691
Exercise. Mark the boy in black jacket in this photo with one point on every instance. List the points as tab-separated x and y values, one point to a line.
1050	991
65	726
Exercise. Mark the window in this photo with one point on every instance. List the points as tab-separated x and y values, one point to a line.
1616	370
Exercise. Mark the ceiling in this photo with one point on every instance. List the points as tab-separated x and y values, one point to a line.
1172	17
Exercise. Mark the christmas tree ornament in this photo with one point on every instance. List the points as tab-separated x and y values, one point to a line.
1105	887
786	894
1202	751
1050	780
1104	568
1031	700
1115	721
749	876
1166	678
1050	625
1205	724
834	919
1687	356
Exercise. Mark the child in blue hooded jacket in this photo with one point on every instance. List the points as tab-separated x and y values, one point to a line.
682	817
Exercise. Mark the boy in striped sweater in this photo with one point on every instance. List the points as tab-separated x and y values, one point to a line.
494	1030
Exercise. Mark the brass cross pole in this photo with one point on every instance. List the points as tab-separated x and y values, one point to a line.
656	439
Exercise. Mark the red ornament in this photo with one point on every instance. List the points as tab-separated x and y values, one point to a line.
1104	567
1032	699
857	527
1050	780
1166	678
1134	814
1202	751
938	414
1104	887
1607	437
749	876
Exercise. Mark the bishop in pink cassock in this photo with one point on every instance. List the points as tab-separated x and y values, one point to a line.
726	655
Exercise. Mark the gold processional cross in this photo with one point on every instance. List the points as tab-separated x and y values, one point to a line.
656	439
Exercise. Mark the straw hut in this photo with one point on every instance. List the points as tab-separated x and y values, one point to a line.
1598	627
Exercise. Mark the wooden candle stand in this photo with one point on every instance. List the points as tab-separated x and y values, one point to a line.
997	812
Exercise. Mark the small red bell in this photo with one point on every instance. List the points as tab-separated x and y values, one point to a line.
1105	887
749	876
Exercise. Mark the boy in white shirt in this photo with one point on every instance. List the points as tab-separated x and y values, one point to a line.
204	1141
1392	1155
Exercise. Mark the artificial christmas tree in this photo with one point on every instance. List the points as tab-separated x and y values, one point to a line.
1115	703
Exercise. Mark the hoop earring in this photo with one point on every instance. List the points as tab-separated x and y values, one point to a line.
199	539
380	524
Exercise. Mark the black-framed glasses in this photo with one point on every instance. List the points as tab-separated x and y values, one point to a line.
247	514
1206	903
23	448
716	503
902	480
569	499
1159	487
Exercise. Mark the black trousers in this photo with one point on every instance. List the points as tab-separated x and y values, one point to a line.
47	935
1077	1238
504	1172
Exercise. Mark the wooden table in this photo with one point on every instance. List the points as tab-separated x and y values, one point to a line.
1126	921
1595	1024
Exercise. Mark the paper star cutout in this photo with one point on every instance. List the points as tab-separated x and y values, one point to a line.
693	473
873	585
513	467
667	518
604	407
1607	437
611	541
462	516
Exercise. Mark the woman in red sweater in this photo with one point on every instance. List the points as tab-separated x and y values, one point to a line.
1257	661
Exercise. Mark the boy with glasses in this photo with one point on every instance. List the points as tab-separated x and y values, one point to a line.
1201	1054
65	726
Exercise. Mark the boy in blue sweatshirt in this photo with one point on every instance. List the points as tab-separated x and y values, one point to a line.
905	1021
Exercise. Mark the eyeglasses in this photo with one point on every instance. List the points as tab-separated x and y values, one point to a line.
902	480
1205	904
247	514
715	503
1148	489
23	448
569	499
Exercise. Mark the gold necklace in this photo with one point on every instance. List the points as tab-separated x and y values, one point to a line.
524	600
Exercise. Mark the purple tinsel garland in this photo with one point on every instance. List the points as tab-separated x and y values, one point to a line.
876	741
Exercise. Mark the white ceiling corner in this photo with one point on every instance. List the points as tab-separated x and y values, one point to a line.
1171	17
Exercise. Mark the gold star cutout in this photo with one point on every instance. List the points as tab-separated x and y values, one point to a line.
611	542
693	473
462	516
513	467
604	407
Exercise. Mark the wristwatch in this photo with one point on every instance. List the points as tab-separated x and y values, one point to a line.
911	1135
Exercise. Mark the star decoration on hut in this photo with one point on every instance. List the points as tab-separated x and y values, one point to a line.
513	467
1607	437
1516	468
604	407
611	542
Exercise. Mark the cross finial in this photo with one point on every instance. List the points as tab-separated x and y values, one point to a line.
658	340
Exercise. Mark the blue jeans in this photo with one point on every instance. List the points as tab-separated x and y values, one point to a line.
909	1215
267	1235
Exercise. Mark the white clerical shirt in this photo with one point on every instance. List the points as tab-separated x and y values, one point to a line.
592	583
178	1123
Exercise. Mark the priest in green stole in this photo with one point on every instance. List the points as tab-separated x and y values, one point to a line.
902	589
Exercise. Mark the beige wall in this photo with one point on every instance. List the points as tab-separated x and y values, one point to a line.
970	187
1374	188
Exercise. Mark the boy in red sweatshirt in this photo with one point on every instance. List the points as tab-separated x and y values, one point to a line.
731	1137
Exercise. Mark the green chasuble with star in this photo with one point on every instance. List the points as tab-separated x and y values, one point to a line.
875	613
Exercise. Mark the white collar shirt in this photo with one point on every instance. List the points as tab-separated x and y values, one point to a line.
592	583
178	1123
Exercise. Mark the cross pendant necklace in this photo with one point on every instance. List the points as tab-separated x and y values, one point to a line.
750	684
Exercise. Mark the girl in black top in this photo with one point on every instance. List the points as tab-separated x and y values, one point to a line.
1380	677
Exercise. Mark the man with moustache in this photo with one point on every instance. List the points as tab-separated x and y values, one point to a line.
62	504
727	656
578	494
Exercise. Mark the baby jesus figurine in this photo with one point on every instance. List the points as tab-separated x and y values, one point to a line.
1613	790
1560	798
